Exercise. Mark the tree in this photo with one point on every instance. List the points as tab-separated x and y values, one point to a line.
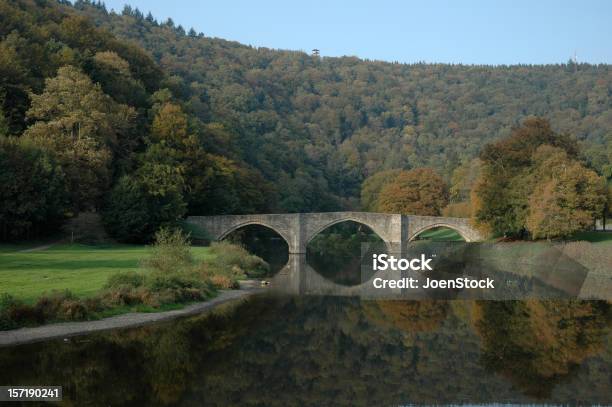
138	205
33	195
213	183
13	86
83	127
371	187
507	180
114	75
420	191
567	197
463	179
4	127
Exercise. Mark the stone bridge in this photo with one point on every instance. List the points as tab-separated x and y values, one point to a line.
297	229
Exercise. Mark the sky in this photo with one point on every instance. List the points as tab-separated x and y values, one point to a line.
489	32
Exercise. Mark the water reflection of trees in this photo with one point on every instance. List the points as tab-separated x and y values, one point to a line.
407	316
324	351
335	253
538	344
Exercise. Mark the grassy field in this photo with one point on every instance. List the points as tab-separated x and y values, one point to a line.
80	268
441	234
594	237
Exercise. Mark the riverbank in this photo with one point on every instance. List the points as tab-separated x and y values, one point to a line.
28	272
68	329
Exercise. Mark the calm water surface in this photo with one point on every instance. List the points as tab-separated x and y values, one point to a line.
275	350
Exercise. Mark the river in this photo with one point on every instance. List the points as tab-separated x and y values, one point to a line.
282	350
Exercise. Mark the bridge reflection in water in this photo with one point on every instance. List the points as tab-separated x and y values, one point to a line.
520	271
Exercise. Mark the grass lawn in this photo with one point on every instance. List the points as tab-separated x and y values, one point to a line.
80	268
441	234
594	237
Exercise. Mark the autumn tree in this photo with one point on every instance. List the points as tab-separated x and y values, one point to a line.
371	187
420	191
83	127
567	197
506	181
463	179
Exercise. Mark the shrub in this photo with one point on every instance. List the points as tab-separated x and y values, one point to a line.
93	304
13	312
160	282
130	279
125	295
64	305
171	252
72	310
224	282
238	260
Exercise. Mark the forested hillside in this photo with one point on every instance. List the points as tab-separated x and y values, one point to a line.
139	113
344	119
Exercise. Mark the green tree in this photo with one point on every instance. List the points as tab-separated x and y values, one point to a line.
4	126
13	85
114	75
138	205
420	191
33	194
213	183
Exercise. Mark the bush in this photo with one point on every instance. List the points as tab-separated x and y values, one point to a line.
171	252
10	315
130	279
238	260
72	310
159	282
224	282
60	305
120	296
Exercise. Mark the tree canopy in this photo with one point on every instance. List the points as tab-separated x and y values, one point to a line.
416	192
533	182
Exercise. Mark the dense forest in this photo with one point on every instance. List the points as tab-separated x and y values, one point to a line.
145	121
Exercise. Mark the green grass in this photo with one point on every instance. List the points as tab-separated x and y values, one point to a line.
441	234
79	268
594	237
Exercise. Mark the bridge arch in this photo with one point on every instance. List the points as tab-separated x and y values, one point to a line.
387	227
238	226
321	228
463	226
461	233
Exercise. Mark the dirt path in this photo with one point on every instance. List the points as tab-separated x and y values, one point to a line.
67	329
42	247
